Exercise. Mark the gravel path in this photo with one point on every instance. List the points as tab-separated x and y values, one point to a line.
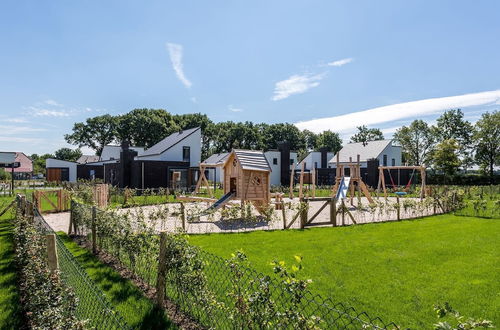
167	218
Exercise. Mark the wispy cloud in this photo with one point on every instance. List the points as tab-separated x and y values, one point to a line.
13	129
175	51
14	120
233	109
42	112
52	103
296	84
21	140
390	113
341	62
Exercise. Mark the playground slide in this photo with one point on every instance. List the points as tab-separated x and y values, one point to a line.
223	200
343	189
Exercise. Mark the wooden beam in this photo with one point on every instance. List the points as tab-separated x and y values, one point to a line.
313	179
318	212
301	180
292	181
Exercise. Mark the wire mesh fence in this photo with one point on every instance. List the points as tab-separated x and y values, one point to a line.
202	285
92	304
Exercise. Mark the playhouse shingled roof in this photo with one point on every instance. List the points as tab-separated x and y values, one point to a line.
168	142
252	160
372	149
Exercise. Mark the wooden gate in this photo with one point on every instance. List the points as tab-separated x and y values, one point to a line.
47	201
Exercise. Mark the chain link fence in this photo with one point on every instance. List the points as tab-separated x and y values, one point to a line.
92	304
203	291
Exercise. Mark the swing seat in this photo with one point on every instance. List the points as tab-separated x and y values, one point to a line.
400	193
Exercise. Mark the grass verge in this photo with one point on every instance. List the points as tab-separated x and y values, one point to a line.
10	314
137	310
397	271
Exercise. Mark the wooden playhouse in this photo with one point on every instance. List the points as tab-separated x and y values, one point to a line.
247	176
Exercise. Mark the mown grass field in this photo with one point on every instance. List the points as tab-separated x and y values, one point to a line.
137	310
9	298
397	271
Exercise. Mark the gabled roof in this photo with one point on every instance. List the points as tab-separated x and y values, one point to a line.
168	142
84	159
216	159
252	160
372	149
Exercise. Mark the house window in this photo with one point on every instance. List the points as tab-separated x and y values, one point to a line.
275	161
385	160
186	154
393	162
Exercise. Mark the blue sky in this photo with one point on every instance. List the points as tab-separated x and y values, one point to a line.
264	61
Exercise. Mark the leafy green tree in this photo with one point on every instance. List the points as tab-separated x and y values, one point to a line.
330	140
452	125
39	162
275	133
68	154
487	142
94	133
417	141
445	157
366	134
310	139
145	127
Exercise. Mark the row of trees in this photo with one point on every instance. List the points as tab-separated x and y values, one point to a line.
146	127
452	143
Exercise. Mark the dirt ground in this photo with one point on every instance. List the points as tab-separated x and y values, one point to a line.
215	223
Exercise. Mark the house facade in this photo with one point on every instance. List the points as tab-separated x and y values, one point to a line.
385	151
60	170
275	162
25	170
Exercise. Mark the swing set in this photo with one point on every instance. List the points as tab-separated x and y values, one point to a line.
398	188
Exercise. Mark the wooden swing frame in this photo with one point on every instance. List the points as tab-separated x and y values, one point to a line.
381	177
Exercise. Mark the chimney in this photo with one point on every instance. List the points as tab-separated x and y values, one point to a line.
324	157
284	149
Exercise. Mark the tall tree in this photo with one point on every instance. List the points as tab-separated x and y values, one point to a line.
417	141
145	127
366	134
68	154
275	133
39	162
445	157
94	133
330	140
487	142
452	125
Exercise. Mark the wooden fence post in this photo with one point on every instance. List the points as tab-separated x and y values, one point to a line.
52	253
343	212
333	211
71	216
398	210
183	216
303	212
162	270
94	238
283	213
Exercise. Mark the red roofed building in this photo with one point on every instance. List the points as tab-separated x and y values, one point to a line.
25	170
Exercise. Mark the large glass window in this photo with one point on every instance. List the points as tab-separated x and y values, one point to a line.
186	154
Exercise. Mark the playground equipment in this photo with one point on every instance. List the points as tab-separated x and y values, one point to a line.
404	191
311	179
349	184
213	162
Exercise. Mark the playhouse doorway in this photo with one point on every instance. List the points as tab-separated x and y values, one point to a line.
232	185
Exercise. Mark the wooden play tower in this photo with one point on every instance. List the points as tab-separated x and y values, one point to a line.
356	183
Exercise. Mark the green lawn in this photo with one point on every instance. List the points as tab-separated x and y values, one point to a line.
9	299
397	271
125	297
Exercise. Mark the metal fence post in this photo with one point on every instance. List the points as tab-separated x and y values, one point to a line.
94	238
52	253
162	270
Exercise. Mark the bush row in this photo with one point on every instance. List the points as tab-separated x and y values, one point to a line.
46	302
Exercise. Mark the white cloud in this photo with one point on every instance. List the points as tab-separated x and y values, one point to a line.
233	109
341	62
15	120
12	139
415	109
52	103
40	112
296	84
175	52
14	130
